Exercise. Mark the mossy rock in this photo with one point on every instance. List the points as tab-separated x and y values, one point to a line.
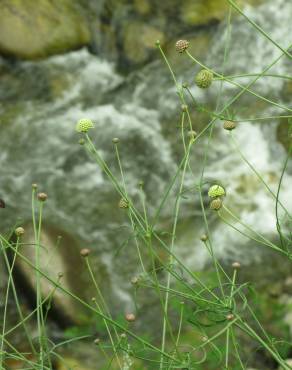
197	13
32	30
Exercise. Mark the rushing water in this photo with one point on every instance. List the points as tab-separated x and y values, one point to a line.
43	100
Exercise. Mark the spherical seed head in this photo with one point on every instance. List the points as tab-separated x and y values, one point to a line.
204	237
181	45
130	317
42	197
157	43
116	140
230	317
34	186
84	124
123	203
236	265
216	191
229	125
204	78
85	252
81	141
19	231
216	204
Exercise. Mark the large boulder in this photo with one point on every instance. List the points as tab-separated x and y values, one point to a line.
36	29
60	260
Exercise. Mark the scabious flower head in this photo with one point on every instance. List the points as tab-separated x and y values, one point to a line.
84	124
204	78
216	191
124	203
182	45
229	125
19	231
216	204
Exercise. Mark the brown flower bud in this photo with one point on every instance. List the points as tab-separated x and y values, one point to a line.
85	252
236	265
42	197
216	204
181	45
130	317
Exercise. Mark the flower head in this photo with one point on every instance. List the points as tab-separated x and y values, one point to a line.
204	78
216	191
229	125
84	124
181	45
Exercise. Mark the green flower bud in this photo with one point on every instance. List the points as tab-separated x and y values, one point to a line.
204	78
216	191
84	124
19	231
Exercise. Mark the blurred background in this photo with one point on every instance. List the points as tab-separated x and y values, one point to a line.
62	60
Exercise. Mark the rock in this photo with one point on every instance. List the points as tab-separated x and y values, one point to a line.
139	41
32	30
136	25
59	254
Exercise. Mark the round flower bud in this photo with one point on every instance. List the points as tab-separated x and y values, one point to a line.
229	125
204	237
84	124
42	197
96	341
34	186
185	85
216	191
60	275
181	45
236	265
216	204
81	141
204	78
130	317
157	43
123	203
230	317
19	231
123	335
192	134
116	140
85	252
134	280
184	108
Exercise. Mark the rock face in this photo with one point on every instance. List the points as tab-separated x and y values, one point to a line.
60	260
123	30
31	30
